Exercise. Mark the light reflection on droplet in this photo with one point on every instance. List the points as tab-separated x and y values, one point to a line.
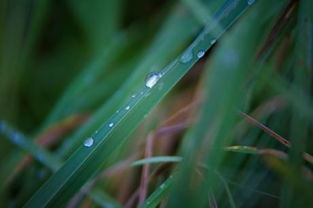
88	142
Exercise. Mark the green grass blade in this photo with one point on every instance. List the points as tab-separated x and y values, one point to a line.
159	194
155	56
90	156
158	159
26	144
225	81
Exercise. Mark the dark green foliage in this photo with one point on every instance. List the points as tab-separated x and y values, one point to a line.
193	103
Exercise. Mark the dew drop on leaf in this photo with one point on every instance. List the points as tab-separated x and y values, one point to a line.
200	54
152	79
186	57
88	142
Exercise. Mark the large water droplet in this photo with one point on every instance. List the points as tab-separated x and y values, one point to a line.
200	54
250	2
111	125
88	142
186	57
127	107
152	79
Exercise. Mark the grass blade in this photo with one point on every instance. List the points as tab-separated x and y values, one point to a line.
158	159
89	157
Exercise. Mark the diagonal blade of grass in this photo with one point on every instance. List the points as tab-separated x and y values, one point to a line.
156	55
157	159
159	194
90	156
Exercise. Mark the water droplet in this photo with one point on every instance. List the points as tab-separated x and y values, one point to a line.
111	125
250	2
186	57
200	54
152	79
213	41
162	186
88	142
133	96
141	93
127	107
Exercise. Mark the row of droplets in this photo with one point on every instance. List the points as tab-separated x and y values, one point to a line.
151	80
90	140
188	55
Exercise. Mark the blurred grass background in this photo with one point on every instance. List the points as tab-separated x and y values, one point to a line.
233	132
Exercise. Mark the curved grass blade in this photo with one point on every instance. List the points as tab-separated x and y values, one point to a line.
91	156
159	159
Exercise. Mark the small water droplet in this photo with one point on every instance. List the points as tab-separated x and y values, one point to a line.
162	186
250	2
127	107
133	96
213	41
141	93
111	125
152	79
200	54
88	142
186	57
96	132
